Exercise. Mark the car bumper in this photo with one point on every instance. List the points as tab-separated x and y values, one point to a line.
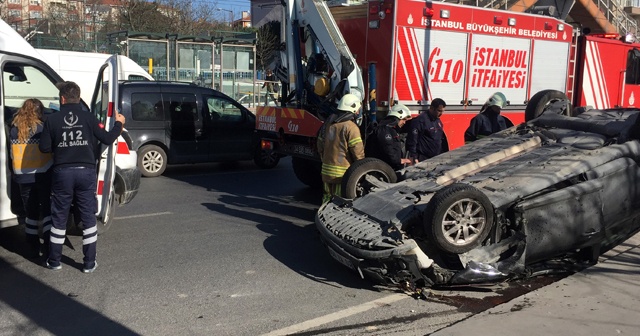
366	247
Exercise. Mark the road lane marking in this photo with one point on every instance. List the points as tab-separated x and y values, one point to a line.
145	215
337	315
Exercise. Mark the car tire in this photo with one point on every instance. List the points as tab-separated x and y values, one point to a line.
266	158
152	161
354	183
458	206
307	171
541	100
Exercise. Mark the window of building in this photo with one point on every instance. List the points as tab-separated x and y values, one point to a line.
14	12
34	2
15	1
35	14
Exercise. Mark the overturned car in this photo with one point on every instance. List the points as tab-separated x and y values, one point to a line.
550	193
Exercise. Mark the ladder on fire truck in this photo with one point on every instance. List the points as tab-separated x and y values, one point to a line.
572	66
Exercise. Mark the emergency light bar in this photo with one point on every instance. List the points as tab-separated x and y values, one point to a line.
606	35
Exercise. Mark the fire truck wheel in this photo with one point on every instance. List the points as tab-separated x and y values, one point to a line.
307	171
152	161
354	182
543	100
266	158
458	218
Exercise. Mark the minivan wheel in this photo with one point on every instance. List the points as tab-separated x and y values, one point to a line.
266	158
152	161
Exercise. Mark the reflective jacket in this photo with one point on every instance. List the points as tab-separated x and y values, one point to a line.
339	145
26	158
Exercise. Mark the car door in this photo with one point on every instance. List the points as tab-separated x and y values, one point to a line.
184	125
231	132
103	105
21	78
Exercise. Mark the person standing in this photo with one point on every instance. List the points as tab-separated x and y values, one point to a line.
339	145
31	173
271	85
489	120
425	133
385	143
70	135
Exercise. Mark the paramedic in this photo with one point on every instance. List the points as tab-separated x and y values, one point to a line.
71	136
339	145
31	173
425	133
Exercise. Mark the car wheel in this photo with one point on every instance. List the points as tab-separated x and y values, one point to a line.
307	171
354	183
152	161
266	158
458	218
542	100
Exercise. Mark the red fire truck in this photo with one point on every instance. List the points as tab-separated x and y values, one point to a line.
414	51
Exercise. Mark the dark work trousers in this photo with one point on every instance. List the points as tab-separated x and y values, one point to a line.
71	184
37	206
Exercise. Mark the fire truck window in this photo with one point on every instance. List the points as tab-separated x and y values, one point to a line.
633	67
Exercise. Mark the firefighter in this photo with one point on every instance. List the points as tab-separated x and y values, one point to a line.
31	172
489	120
71	136
385	143
425	134
339	145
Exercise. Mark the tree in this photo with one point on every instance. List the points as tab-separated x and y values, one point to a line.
143	16
267	43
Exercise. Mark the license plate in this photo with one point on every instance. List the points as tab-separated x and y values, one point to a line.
335	255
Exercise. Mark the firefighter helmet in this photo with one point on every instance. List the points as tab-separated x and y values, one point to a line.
497	99
400	111
350	103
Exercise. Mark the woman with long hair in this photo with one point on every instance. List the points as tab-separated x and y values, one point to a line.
31	173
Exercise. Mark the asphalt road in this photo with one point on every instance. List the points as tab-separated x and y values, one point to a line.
218	250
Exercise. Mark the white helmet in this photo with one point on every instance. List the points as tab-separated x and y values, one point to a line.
399	111
350	103
497	99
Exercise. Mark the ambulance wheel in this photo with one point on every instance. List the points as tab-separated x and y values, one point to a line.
354	182
152	161
541	101
307	171
104	226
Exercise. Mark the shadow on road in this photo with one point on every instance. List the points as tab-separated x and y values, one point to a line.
47	309
294	243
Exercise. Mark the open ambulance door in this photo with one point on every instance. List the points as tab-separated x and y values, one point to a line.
103	105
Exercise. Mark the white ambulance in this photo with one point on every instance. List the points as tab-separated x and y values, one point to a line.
23	74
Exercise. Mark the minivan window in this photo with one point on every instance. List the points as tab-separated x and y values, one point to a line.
25	81
146	107
223	110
